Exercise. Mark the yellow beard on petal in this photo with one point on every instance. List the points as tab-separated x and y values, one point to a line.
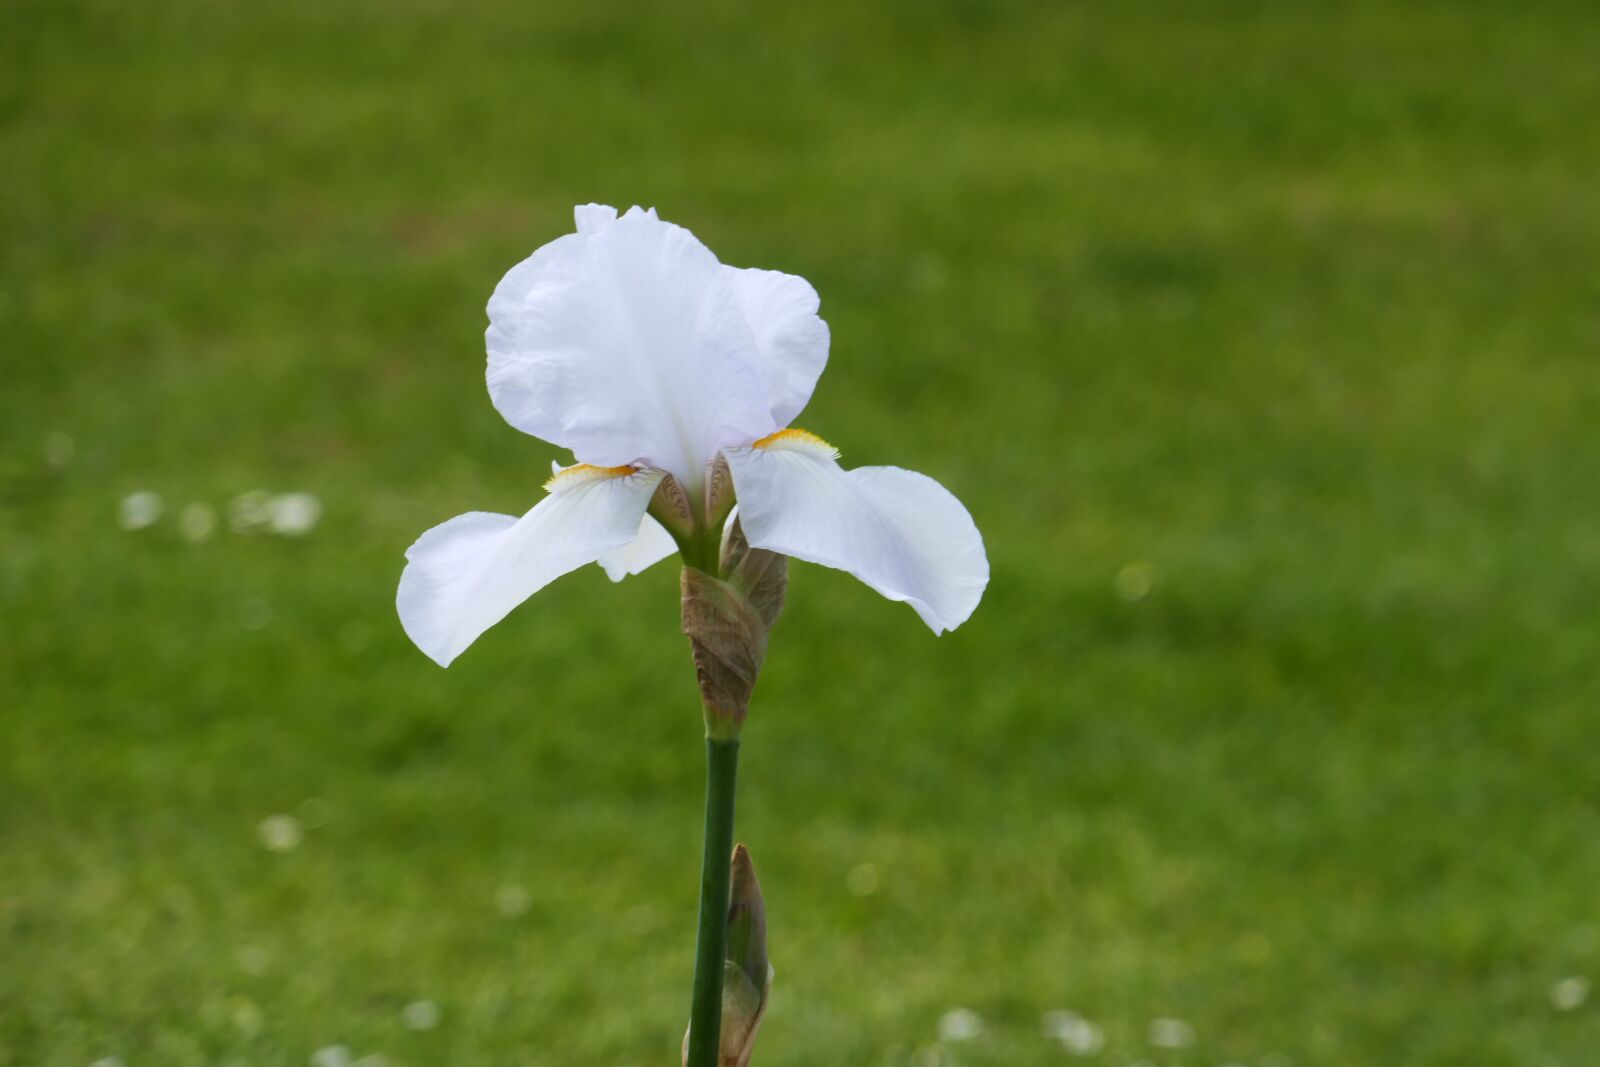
796	440
583	473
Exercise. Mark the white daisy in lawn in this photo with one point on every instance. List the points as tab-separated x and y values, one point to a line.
673	379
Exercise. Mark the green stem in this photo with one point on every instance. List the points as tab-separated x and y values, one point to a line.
705	1016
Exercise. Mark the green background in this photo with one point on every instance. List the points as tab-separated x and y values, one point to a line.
1290	310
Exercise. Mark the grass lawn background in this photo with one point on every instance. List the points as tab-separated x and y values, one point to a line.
1292	317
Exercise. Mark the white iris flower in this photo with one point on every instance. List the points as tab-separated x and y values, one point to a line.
666	373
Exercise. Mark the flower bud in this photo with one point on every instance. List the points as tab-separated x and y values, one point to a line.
747	920
727	619
746	974
670	507
719	493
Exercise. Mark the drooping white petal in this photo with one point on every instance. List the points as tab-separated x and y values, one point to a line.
901	532
793	341
466	574
652	545
626	343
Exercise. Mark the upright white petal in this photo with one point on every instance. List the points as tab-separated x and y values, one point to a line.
591	217
793	341
652	545
465	575
626	343
900	532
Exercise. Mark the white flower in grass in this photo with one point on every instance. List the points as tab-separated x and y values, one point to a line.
863	879
422	1015
139	510
512	900
1171	1033
331	1056
1569	993
249	511
197	522
668	375
293	514
959	1024
280	833
1077	1035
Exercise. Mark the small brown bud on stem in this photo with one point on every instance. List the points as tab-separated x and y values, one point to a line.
746	974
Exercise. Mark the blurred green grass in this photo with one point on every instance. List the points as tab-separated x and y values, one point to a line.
1295	311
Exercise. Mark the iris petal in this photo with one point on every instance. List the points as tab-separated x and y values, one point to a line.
467	574
650	546
627	343
900	532
792	341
